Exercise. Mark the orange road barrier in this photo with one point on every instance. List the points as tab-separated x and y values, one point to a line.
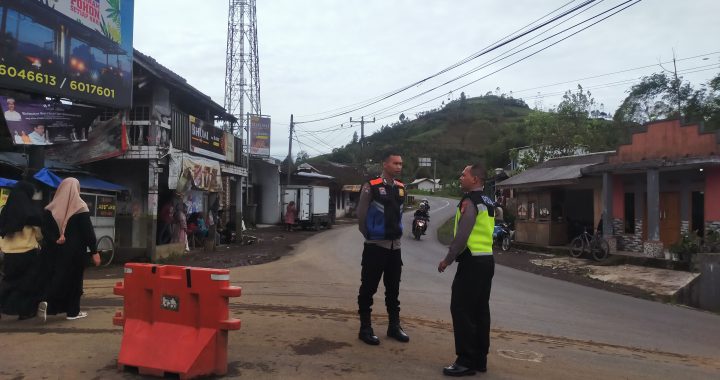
175	319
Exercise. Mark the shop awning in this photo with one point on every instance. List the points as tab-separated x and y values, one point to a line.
49	178
4	182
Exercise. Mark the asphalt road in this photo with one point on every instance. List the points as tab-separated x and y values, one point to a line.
300	321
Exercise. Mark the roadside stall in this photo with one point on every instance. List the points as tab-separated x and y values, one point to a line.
101	198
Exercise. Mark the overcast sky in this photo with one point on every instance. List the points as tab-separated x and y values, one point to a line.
322	55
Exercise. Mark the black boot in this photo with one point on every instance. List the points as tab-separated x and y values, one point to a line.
366	333
394	329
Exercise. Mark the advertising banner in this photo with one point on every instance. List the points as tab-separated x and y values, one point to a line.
201	173
205	139
230	147
259	135
46	122
79	49
105	139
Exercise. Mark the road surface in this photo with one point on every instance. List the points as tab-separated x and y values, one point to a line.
299	321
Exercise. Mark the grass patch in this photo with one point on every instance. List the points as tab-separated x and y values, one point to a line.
445	232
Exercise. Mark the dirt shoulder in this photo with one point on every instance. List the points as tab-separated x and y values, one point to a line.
523	260
271	243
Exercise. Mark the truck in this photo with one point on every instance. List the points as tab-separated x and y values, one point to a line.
313	205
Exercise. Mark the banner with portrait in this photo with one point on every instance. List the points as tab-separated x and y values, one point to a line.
259	135
43	122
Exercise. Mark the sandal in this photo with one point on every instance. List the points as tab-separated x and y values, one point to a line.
81	314
42	311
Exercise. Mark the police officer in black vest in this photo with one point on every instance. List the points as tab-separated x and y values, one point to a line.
380	221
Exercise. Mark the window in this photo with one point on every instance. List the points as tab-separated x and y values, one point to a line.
629	213
32	39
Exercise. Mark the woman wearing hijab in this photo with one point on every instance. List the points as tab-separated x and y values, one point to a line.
20	235
68	234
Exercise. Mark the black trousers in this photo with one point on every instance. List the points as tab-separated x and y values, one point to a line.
470	308
20	289
380	262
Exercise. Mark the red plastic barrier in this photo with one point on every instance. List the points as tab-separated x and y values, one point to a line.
175	319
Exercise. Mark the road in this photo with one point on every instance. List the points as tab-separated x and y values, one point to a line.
299	321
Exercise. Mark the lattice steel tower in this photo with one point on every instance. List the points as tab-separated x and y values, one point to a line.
242	68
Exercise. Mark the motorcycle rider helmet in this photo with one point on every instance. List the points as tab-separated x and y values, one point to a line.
424	205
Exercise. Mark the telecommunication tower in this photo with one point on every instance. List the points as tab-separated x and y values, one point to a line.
242	68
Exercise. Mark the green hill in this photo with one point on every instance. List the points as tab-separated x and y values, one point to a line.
462	132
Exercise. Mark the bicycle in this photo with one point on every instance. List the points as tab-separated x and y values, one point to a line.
587	242
106	248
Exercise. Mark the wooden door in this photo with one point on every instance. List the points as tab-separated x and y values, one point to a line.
669	218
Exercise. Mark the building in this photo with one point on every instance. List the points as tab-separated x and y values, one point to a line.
425	184
654	189
175	154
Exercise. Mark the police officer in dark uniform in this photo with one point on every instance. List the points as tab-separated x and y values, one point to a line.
380	221
472	249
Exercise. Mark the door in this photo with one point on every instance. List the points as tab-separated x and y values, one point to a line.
669	218
304	205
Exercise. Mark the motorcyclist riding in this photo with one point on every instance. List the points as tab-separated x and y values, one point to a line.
423	212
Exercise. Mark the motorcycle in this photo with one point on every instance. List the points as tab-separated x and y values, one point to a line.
419	227
503	235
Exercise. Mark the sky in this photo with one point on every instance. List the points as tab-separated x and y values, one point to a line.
318	58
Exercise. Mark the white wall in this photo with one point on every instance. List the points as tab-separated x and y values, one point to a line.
266	181
426	185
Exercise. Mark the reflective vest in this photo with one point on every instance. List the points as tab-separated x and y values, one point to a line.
384	217
481	238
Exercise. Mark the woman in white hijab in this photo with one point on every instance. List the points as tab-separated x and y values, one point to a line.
68	237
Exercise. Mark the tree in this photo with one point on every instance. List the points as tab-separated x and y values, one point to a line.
302	156
354	138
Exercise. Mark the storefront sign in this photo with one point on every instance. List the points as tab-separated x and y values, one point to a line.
259	135
90	200
79	49
46	122
205	139
105	206
101	206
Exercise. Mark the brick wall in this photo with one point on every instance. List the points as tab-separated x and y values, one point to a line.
628	242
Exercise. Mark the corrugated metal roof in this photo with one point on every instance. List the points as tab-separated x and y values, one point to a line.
557	171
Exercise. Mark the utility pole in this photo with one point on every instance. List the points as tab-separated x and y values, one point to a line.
362	134
677	86
289	168
434	174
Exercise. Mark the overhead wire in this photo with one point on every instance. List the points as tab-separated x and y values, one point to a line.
634	2
468	59
461	61
501	58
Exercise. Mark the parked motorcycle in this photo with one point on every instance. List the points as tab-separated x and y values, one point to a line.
503	235
419	227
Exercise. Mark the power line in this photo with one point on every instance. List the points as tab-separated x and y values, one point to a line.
462	61
468	59
498	59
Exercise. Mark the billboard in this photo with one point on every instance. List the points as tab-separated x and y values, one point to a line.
205	139
43	122
79	49
259	135
105	139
